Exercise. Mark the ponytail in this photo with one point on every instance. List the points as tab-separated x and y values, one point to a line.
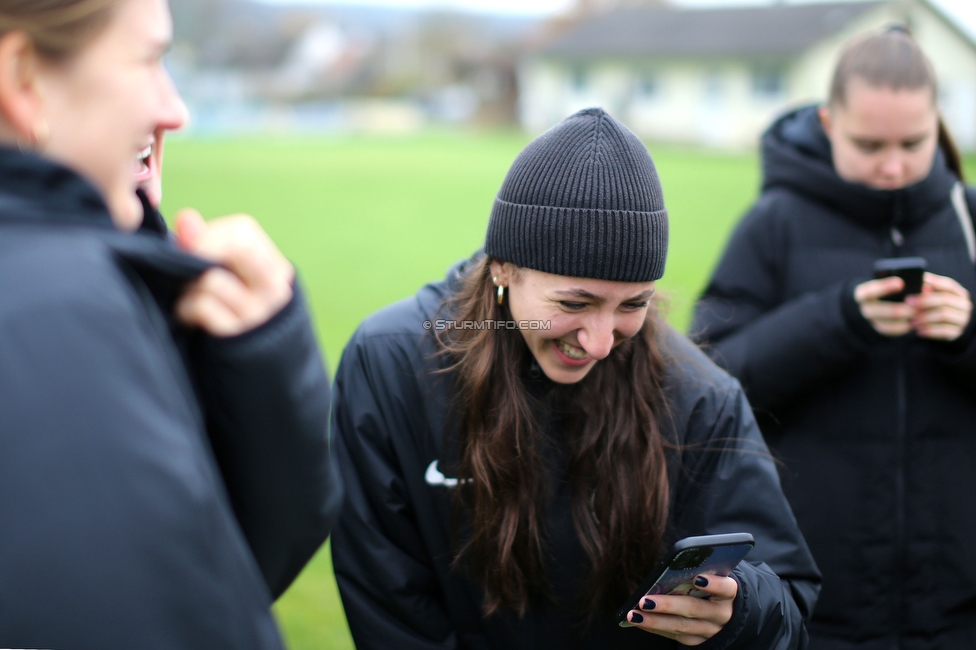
950	151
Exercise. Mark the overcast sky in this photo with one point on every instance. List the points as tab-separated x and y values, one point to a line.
962	10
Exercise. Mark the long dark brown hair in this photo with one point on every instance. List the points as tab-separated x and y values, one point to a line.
612	421
892	59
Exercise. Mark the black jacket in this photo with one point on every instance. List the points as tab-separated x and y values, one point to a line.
157	488
877	434
392	546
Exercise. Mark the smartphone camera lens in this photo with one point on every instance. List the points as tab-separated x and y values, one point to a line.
691	558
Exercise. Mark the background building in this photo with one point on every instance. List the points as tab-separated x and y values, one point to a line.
718	76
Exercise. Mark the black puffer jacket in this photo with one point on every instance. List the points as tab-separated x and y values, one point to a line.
392	547
878	435
157	489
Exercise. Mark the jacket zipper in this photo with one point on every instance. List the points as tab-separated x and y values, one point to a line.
900	459
901	434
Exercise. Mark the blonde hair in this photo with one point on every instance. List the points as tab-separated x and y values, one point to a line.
57	28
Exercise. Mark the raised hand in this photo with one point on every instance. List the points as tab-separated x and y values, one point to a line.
942	310
887	318
252	283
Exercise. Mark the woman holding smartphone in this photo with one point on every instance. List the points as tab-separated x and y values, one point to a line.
522	441
871	404
164	463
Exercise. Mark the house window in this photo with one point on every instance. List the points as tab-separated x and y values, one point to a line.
768	82
646	86
714	87
577	78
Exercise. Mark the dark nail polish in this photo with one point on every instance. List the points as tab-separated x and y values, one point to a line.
648	604
636	618
701	581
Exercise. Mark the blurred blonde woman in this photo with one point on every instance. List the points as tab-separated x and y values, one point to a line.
870	403
164	467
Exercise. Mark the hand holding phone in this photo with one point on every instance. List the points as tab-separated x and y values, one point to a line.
943	310
910	269
685	619
697	567
689	558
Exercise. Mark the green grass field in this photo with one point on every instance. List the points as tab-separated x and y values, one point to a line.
367	221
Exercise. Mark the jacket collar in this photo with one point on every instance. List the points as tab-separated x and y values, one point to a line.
32	187
34	190
797	155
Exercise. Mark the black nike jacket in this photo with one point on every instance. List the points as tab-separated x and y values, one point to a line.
392	547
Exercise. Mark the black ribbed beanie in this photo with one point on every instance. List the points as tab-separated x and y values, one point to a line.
583	199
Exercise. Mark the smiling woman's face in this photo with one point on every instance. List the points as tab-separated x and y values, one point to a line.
587	317
104	105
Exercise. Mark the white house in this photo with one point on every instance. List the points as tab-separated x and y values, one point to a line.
718	76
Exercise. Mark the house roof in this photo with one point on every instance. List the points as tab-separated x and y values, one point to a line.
671	31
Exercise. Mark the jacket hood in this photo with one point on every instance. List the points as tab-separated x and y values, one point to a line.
797	156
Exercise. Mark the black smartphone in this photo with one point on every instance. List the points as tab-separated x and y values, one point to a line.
910	269
690	557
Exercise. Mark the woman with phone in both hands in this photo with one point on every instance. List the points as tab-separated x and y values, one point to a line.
523	441
164	463
870	403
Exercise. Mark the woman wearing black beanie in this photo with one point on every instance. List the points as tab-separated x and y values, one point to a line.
522	441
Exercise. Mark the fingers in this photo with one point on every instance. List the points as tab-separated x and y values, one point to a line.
889	318
943	310
944	322
942	283
689	620
718	588
684	630
189	227
941	332
948	313
240	244
255	283
939	300
200	307
875	289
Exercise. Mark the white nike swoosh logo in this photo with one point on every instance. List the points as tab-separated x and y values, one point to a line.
435	478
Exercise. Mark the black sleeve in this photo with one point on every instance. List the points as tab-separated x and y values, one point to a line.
389	588
776	348
266	396
115	533
730	484
959	356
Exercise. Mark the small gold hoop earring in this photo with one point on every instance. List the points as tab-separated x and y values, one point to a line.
38	138
42	133
501	294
